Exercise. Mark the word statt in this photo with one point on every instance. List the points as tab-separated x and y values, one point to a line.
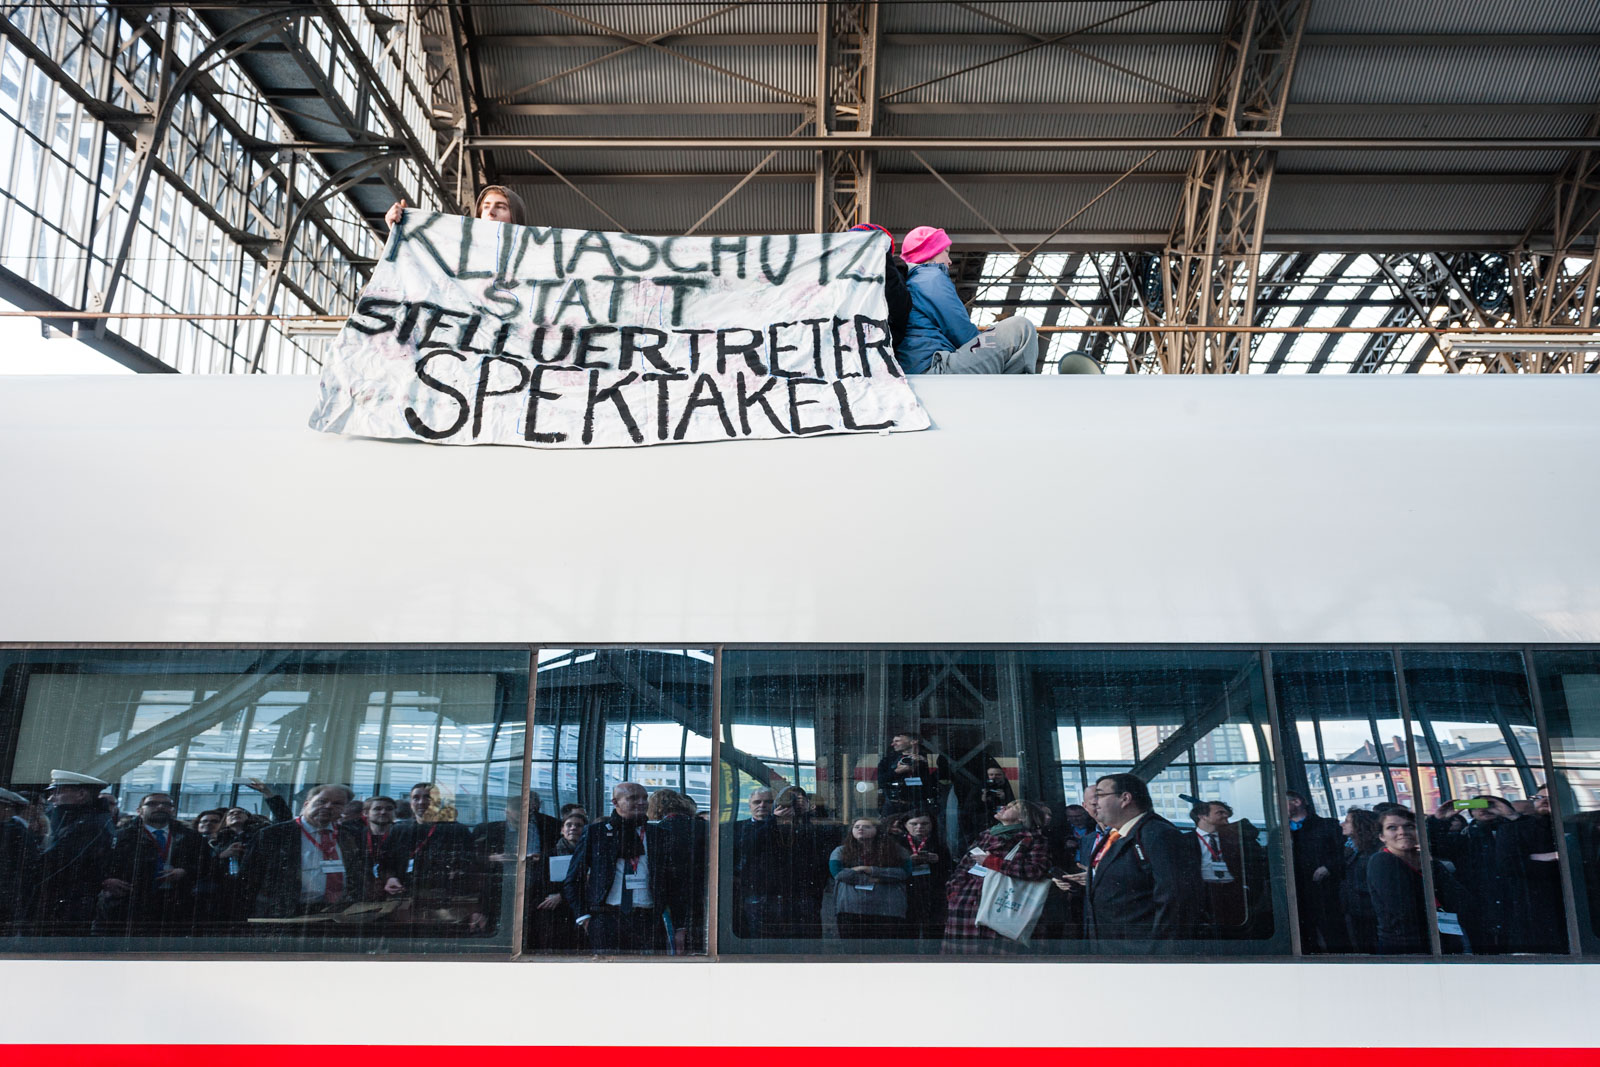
475	332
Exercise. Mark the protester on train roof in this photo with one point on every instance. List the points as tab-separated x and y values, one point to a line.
940	337
895	292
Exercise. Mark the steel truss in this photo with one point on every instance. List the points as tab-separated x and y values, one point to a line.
1210	264
163	87
847	51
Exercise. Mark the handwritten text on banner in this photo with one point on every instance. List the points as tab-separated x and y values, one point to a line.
476	332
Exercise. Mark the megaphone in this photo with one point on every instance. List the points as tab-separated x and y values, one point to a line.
1079	362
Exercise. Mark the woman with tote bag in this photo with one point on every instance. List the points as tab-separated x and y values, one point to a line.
1015	849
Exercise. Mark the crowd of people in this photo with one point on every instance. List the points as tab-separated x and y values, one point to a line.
928	324
1120	876
1495	875
1110	874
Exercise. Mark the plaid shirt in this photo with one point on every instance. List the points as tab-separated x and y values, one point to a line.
1031	864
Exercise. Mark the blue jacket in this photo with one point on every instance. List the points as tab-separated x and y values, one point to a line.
939	322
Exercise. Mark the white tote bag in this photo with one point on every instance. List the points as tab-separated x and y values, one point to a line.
1010	906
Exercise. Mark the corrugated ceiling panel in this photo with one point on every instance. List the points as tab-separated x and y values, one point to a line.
1366	208
571	163
1190	16
1454	16
646	74
1445	75
642	20
1171	73
1034	207
769	208
1032	125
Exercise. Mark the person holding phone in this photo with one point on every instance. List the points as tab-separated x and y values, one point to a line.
930	870
910	776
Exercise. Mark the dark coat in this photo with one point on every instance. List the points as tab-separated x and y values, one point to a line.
780	873
148	909
19	875
1319	843
685	848
897	296
896	795
1146	888
1397	901
437	862
1355	901
272	871
1237	908
594	868
72	868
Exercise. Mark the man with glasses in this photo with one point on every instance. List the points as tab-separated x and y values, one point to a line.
74	865
150	879
1144	884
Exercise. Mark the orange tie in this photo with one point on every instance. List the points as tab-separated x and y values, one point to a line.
1105	846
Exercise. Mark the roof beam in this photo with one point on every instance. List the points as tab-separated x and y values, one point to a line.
1243	142
1009	40
1034	107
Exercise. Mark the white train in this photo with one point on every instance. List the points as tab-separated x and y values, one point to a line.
1073	512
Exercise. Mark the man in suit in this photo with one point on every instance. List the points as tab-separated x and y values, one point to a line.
1144	884
307	865
1227	855
151	876
619	879
1318	845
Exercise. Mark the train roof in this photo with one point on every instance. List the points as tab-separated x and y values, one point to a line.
1039	510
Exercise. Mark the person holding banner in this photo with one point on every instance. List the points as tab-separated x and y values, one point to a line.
495	204
940	337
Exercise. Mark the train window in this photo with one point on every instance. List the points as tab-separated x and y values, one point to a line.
325	801
1569	688
862	789
1349	763
1478	753
622	749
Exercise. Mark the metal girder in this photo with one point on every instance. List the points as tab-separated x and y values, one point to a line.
1211	259
847	103
1240	142
1549	286
452	98
150	137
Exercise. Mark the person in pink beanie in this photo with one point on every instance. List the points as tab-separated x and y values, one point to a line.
940	337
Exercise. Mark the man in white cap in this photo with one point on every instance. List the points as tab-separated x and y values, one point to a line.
73	867
19	864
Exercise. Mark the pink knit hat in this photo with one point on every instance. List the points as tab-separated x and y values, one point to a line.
923	243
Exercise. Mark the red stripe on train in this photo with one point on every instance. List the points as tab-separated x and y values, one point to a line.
742	1056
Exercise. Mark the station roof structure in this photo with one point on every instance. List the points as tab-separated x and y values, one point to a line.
1294	164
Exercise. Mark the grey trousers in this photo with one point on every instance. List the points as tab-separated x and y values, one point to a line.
1011	346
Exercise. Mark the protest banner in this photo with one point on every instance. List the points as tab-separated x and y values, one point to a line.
477	332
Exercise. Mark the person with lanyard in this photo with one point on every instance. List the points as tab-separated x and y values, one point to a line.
307	865
612	886
150	881
1143	886
1221	867
432	859
378	821
1015	845
1394	878
930	870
